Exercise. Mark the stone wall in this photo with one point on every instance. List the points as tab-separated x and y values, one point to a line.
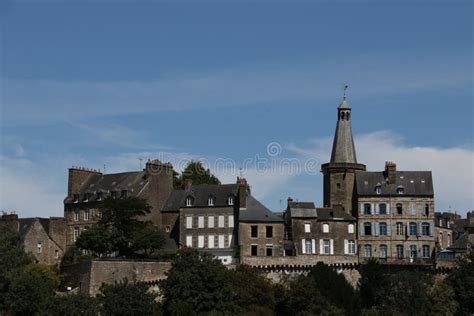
38	243
261	241
89	276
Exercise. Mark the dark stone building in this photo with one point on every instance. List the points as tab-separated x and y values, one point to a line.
321	231
339	173
43	238
87	188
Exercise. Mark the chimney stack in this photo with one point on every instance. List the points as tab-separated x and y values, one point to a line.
244	191
391	171
188	184
77	176
11	219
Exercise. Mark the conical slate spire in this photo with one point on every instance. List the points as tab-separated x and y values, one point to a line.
343	149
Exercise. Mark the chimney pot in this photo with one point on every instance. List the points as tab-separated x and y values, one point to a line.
187	184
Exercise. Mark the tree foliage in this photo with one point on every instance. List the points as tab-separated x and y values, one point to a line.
32	291
75	305
120	230
12	260
128	299
196	172
462	282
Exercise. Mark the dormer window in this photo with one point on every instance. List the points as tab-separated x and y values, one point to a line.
189	201
123	194
75	198
86	197
99	196
378	189
114	194
400	190
230	200
210	201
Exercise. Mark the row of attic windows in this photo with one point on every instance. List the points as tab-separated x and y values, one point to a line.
378	189
211	201
99	196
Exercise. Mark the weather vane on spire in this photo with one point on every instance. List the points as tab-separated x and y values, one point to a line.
345	88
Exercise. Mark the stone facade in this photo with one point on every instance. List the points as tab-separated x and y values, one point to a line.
261	239
88	277
87	188
43	238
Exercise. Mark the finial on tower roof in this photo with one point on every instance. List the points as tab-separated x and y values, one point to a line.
345	88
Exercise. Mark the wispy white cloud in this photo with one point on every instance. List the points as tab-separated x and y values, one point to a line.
48	100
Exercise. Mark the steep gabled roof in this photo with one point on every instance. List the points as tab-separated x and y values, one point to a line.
200	194
414	183
257	212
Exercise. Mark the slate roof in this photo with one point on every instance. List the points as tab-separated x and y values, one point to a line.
257	212
302	209
461	243
334	214
26	223
415	183
133	182
308	210
200	194
343	149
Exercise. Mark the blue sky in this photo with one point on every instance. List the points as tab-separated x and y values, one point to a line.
105	82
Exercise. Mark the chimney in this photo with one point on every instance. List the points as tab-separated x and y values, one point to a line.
188	184
11	219
289	200
77	176
391	171
244	191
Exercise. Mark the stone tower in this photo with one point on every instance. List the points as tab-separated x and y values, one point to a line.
339	174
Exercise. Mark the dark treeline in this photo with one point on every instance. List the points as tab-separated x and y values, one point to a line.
200	285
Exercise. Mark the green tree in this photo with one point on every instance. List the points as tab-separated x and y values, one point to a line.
196	172
75	305
198	284
122	230
372	284
32	291
12	259
128	299
254	291
442	299
462	282
302	297
334	287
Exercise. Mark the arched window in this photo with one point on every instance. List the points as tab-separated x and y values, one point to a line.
325	228
367	229
412	229
383	251
211	201
400	189
343	116
378	188
383	208
367	207
189	201
426	251
425	229
368	251
383	229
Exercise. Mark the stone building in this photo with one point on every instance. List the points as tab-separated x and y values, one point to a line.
444	229
43	238
339	173
261	232
87	188
206	217
396	215
320	232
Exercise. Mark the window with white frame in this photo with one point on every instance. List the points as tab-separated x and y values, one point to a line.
350	228
230	200
368	251
230	240
308	246
412	228
189	241
210	241
76	216
307	227
399	228
231	220
325	228
200	221
56	254
326	246
378	189
221	241
221	221
210	201
383	251
448	241
426	251
367	208
382	208
76	233
351	247
382	229
39	248
412	208
200	241
269	250
87	214
425	229
189	222
399	251
189	201
413	252
210	221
